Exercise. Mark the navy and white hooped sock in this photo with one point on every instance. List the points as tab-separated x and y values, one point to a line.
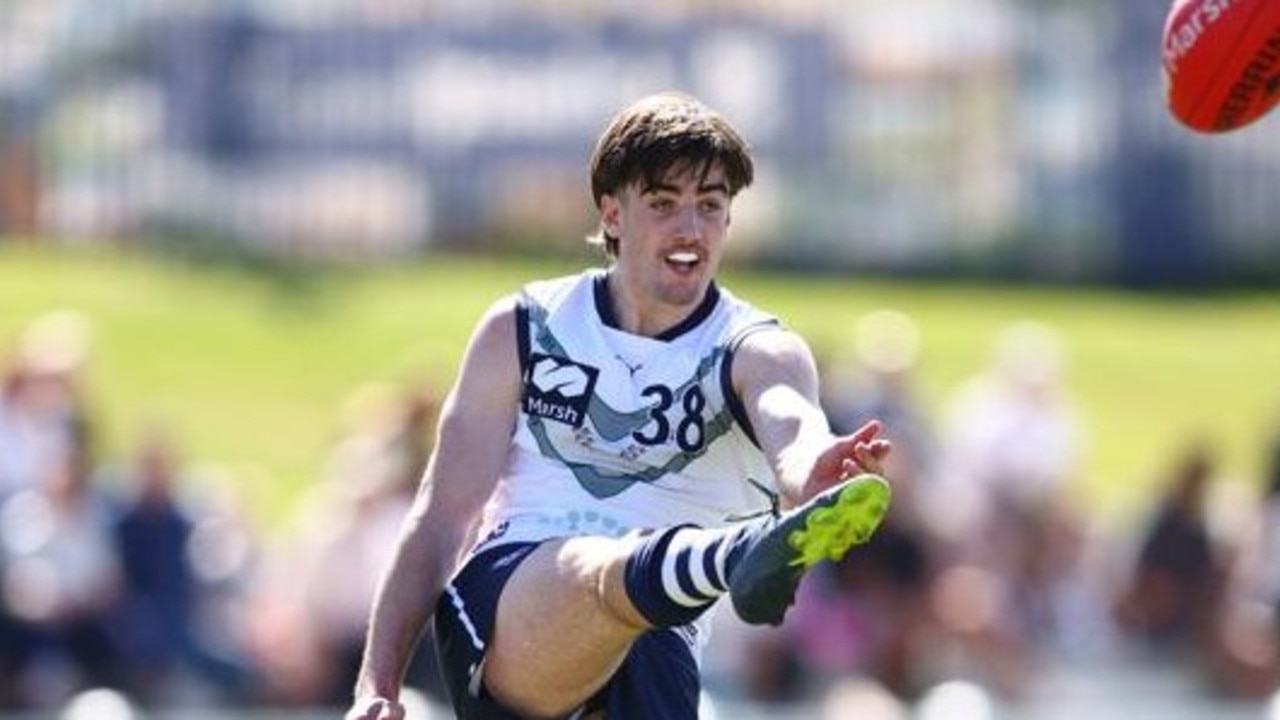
676	574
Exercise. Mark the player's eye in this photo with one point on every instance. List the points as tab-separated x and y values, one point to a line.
662	204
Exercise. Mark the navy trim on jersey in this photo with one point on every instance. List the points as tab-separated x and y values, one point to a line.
522	332
695	318
600	293
731	398
600	288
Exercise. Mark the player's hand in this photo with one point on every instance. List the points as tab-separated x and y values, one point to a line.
869	449
861	451
375	708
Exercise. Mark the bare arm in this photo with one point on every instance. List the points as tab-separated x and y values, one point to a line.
775	375
478	416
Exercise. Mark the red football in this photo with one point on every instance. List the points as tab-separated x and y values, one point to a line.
1222	61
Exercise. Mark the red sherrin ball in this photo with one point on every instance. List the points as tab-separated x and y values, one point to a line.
1222	61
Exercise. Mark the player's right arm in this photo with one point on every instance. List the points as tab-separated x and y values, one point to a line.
477	418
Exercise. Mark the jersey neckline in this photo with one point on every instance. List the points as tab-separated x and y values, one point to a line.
600	290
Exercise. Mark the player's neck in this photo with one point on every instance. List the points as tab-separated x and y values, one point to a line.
632	311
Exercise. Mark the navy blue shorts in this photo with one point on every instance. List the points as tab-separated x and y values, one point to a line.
657	681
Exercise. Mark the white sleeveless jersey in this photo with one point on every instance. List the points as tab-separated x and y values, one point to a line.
618	431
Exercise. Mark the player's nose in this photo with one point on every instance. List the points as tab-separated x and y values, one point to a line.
689	224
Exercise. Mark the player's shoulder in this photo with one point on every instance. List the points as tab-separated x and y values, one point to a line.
769	341
501	310
771	356
552	291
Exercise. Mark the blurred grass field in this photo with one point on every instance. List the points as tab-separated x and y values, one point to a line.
252	369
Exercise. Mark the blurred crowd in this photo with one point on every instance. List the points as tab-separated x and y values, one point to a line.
993	568
144	573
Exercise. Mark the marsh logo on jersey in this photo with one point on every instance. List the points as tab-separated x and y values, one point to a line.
559	389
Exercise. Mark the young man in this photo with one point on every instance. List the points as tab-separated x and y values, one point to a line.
605	439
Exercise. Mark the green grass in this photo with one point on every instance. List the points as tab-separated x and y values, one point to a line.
253	368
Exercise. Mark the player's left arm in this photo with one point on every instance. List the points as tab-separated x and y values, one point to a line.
775	375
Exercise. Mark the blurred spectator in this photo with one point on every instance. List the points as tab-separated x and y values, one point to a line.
61	585
1012	449
163	594
413	436
1174	590
98	590
152	535
43	415
48	585
1265	585
224	550
1244	658
283	641
1013	438
355	515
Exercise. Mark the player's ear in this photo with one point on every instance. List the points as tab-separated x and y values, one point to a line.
611	215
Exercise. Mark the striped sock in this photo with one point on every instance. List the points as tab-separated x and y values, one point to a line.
676	574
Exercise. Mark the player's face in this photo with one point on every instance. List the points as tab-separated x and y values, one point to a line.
671	235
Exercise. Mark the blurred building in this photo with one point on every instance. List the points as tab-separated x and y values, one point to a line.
1016	138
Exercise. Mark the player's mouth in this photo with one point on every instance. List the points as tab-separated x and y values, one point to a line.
683	261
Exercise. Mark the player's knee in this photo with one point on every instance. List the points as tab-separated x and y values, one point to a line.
600	564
